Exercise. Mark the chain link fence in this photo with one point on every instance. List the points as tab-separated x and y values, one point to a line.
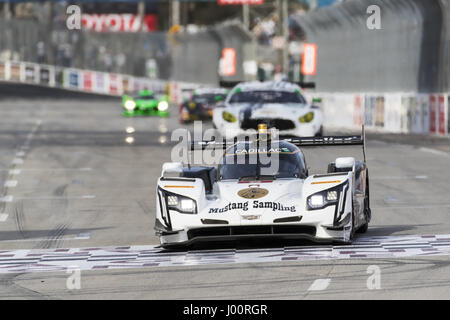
410	51
184	56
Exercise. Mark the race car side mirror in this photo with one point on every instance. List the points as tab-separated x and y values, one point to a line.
172	169
345	163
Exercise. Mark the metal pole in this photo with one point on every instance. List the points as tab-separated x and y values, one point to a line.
246	15
141	14
175	12
285	32
6	10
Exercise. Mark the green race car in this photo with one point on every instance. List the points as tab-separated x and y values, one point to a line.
145	104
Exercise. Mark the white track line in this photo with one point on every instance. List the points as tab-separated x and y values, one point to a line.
6	199
17	161
319	285
10	183
434	151
14	172
3	217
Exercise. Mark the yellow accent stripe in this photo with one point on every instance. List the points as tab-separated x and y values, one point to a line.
178	186
322	182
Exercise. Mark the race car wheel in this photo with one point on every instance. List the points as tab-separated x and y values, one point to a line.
320	132
367	211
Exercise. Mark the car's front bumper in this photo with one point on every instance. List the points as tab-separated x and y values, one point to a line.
145	113
226	233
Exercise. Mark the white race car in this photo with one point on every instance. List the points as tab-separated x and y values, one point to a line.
278	104
245	197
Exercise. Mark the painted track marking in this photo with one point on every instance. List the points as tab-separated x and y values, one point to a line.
319	285
97	258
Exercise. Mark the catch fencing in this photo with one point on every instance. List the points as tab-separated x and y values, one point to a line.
193	56
387	112
410	51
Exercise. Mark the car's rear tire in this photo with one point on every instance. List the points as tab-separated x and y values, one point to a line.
367	211
320	132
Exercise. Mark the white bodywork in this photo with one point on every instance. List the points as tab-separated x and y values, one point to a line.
285	199
268	111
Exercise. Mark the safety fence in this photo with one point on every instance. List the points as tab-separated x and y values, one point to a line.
187	55
387	112
90	81
406	50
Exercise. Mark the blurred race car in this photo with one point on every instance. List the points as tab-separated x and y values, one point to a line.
145	103
247	197
201	104
278	104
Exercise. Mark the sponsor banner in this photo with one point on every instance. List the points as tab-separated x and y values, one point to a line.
28	73
448	114
379	111
234	2
72	79
358	111
442	114
369	110
433	114
14	71
2	70
59	77
126	84
228	62
392	112
309	59
115	85
88	83
100	82
124	22
46	76
424	105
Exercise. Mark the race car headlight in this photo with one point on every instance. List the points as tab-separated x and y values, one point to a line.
228	117
323	199
307	117
130	105
187	205
180	203
163	106
316	201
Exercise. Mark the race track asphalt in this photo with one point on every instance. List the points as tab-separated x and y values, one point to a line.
70	179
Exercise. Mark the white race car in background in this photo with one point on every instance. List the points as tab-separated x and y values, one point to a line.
243	198
278	104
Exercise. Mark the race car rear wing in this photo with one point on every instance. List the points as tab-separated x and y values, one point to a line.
299	142
232	84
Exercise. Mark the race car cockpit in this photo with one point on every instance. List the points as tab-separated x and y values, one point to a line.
273	160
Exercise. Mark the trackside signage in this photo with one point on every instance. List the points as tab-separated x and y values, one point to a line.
231	2
118	22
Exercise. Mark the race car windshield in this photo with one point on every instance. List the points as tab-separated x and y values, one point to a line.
245	167
268	96
207	98
145	97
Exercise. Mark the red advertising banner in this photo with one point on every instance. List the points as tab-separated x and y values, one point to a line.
231	2
309	59
433	113
358	111
125	22
442	114
113	84
87	81
228	64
